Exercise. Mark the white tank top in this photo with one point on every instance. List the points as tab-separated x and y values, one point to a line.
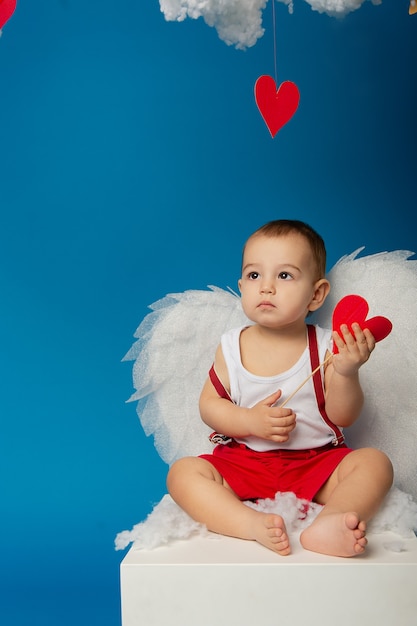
247	389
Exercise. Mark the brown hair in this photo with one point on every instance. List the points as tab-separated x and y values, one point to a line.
279	228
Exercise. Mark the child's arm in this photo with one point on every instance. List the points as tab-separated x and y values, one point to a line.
262	420
344	395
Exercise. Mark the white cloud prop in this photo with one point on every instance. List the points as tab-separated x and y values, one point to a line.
336	8
168	523
239	22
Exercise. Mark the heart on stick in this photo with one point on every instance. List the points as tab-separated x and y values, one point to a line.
348	310
7	8
277	106
353	308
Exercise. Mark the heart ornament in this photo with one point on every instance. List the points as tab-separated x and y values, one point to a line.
277	106
7	8
353	308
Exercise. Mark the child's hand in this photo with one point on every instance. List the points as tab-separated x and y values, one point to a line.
269	422
354	349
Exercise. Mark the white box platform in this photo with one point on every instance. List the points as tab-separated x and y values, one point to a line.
221	581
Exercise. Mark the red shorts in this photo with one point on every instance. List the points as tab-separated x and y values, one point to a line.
254	475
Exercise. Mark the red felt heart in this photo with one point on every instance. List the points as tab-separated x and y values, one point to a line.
354	308
277	106
7	8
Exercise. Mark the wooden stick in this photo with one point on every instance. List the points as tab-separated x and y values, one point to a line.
306	380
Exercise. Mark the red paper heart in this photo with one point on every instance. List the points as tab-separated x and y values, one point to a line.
277	106
354	308
7	8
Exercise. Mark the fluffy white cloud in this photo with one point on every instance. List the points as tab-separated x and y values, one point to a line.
337	8
239	22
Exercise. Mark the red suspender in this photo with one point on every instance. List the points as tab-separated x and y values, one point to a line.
219	387
318	383
217	384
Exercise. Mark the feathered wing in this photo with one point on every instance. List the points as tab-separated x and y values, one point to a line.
173	353
388	281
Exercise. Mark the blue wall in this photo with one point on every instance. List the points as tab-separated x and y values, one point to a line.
134	162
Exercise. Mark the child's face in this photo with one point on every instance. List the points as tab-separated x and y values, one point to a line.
279	280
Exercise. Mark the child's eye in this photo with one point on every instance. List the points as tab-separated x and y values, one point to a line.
253	275
284	276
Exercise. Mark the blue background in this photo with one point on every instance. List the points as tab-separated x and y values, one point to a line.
134	162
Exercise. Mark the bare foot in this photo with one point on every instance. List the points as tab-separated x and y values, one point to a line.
270	531
336	534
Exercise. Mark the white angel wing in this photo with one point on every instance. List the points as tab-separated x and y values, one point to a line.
173	353
388	281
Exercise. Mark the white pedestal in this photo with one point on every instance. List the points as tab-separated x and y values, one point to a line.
221	581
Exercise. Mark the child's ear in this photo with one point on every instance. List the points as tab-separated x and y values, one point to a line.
239	284
321	291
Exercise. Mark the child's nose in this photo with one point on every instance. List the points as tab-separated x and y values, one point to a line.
267	287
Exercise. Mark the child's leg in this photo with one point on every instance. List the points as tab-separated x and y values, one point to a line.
199	489
352	495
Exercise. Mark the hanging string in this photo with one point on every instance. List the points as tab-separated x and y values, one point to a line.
275	42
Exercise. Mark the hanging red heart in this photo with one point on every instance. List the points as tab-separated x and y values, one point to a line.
354	308
277	106
7	8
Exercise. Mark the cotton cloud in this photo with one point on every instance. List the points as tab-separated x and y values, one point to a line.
239	22
336	8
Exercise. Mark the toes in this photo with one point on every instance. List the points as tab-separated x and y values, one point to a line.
283	547
275	533
360	545
279	539
352	521
271	532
